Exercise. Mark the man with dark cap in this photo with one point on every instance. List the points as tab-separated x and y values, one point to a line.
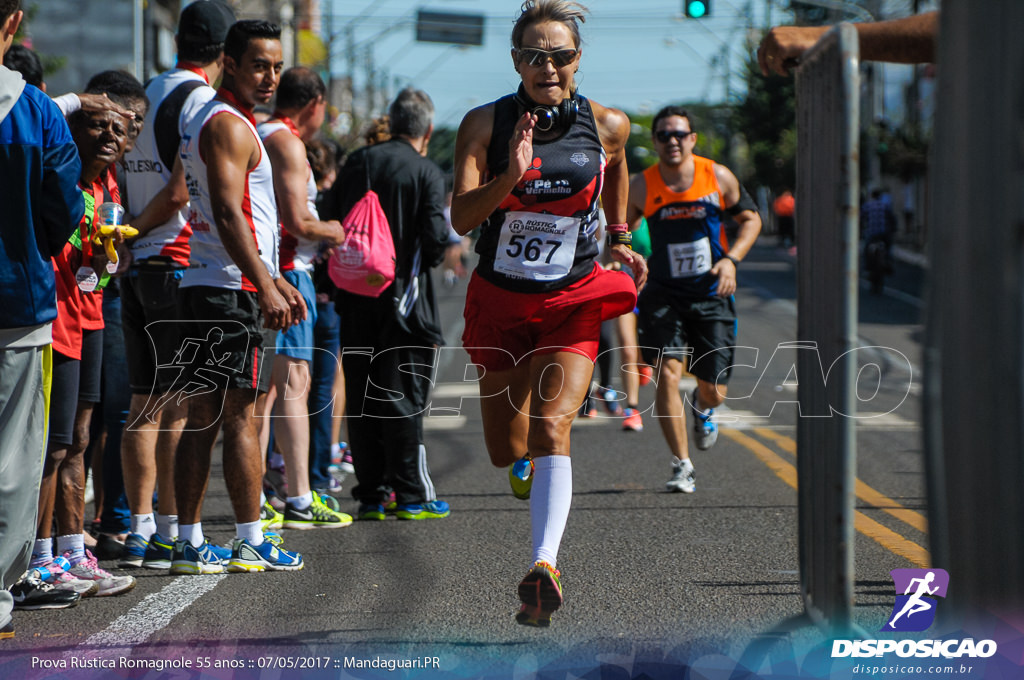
40	167
158	197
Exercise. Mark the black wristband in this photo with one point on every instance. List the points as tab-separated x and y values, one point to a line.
746	202
735	262
619	238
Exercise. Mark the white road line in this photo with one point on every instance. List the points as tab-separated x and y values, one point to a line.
154	612
451	390
440	423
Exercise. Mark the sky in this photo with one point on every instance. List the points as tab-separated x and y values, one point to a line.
638	55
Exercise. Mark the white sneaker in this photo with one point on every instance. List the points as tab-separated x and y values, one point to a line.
682	477
89	570
55	573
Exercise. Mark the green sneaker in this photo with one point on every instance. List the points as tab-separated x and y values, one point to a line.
270	518
371	511
316	516
520	477
428	510
540	591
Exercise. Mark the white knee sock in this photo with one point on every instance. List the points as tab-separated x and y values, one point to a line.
550	499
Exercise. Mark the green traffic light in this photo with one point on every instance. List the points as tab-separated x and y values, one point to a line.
696	8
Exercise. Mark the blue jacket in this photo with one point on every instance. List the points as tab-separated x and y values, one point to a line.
40	203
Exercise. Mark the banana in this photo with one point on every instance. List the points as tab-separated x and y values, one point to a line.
106	230
108	245
105	236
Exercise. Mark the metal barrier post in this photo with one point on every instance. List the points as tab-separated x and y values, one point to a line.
828	84
974	366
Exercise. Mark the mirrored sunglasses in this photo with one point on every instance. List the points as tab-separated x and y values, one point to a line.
534	56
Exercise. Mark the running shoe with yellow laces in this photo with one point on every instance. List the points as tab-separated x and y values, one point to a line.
270	519
520	477
540	591
316	516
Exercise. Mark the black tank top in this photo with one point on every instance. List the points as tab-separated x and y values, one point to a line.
541	237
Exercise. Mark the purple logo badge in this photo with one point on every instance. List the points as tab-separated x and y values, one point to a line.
916	590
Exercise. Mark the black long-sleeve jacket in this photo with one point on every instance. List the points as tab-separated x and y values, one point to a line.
411	190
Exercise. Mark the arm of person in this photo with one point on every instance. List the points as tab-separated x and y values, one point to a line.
291	174
294	299
749	222
910	40
71	102
61	203
231	151
168	201
637	200
613	129
473	198
430	216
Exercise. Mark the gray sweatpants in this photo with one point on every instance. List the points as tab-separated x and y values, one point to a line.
22	442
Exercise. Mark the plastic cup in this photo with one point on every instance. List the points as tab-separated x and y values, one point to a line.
110	213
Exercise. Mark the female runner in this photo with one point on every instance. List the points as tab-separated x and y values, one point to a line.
530	169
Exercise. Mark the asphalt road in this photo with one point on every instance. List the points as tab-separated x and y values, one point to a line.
653	581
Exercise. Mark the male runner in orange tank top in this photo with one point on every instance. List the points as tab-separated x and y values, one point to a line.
687	308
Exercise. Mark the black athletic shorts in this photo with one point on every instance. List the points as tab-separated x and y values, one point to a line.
223	342
90	380
63	399
149	315
707	327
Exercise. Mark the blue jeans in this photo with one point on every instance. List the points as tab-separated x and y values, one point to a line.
327	340
116	517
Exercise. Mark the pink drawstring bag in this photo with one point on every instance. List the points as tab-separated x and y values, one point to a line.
365	263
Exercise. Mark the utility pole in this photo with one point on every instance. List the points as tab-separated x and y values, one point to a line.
350	64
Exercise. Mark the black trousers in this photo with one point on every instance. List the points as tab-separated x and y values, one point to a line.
387	390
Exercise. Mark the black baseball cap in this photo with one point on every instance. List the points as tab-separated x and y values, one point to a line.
206	22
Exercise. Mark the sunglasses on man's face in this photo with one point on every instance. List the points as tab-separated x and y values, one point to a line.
534	56
664	136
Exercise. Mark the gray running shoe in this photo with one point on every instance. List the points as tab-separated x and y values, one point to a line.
682	477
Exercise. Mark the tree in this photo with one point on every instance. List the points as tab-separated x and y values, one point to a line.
766	118
51	63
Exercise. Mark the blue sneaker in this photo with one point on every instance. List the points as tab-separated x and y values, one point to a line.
428	510
705	432
158	553
187	559
520	477
263	557
134	551
223	552
371	511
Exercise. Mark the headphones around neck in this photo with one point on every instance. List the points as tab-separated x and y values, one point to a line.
550	118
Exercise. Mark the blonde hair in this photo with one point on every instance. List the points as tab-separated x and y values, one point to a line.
569	14
379	131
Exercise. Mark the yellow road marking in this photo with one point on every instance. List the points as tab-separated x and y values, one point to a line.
862	490
786	471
